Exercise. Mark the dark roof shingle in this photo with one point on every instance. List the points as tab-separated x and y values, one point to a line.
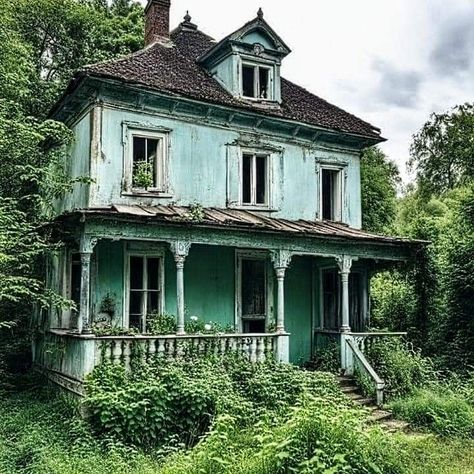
173	68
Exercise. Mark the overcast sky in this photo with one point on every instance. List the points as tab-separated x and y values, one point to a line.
391	62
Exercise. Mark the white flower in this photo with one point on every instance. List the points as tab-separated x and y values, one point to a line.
193	318
207	327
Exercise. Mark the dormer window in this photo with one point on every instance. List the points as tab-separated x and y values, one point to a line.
256	82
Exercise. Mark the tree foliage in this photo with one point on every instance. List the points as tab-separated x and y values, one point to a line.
442	152
42	42
379	181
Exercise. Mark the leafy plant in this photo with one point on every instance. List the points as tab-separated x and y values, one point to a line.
401	367
142	175
161	323
108	305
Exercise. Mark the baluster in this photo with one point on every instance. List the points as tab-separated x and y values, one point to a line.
116	352
160	351
223	346
253	350
152	350
260	349
126	354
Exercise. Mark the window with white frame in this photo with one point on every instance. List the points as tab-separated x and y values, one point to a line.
255	179
147	161
256	81
253	293
331	197
145	289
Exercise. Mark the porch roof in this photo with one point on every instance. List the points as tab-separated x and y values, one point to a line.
237	219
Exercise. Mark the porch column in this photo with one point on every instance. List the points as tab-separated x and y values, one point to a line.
345	264
86	250
180	250
281	260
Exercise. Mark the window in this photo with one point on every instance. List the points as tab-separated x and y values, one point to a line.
330	299
253	297
147	162
256	82
331	194
254	179
145	289
75	279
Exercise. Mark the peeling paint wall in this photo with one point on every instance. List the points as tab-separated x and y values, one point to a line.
198	167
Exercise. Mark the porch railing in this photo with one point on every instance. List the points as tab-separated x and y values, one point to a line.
254	347
69	357
353	349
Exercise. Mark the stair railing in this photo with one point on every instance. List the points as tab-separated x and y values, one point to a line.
352	356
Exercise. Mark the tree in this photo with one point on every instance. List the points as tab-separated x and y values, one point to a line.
442	153
379	181
65	35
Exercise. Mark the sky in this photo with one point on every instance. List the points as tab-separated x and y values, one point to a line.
390	62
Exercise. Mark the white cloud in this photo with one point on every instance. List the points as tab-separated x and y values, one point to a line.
391	63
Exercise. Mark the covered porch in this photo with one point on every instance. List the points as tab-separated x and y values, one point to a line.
267	287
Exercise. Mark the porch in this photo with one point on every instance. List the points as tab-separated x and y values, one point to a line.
269	292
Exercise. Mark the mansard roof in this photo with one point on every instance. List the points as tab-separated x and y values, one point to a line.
173	67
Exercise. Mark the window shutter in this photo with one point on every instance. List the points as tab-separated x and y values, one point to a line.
233	176
276	181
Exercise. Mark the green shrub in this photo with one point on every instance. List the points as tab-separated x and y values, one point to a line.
438	410
401	367
161	323
146	411
327	359
180	399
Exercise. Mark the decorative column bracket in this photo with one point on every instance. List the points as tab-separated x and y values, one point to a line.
180	250
86	249
281	260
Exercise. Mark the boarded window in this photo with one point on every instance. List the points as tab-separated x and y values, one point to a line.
253	295
331	195
254	179
144	290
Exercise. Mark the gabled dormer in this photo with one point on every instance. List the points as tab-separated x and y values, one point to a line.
247	62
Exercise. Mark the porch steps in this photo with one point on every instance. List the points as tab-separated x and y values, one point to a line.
384	418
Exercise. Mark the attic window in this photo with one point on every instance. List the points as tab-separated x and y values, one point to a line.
256	82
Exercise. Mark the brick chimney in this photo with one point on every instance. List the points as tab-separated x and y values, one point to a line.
157	20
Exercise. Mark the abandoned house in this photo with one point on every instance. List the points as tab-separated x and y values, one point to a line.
220	193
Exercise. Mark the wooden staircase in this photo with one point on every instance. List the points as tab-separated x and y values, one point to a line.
384	418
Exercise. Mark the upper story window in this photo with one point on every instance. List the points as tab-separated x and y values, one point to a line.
255	179
331	197
146	161
256	82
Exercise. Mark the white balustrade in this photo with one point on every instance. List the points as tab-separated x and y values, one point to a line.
254	347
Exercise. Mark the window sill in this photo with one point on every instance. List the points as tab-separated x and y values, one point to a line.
251	207
149	194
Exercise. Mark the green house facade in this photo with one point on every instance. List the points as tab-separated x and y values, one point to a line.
220	193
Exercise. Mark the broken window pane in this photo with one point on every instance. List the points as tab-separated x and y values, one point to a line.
139	149
253	288
261	179
330	195
247	179
248	81
136	273
153	272
264	75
